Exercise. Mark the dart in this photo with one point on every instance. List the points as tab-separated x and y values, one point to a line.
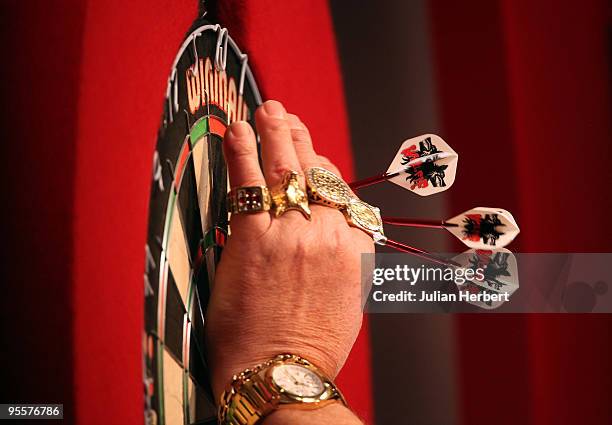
498	273
365	217
495	271
424	165
498	266
479	228
494	274
398	246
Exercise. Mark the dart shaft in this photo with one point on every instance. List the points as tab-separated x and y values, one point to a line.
416	162
420	253
372	180
414	222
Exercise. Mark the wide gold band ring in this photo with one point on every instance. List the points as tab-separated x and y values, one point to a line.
290	196
367	218
326	188
249	200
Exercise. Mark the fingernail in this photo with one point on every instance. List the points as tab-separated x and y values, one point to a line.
240	129
274	109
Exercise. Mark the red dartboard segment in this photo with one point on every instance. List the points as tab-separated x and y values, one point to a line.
217	126
209	124
180	166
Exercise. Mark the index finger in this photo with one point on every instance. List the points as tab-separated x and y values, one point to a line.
240	149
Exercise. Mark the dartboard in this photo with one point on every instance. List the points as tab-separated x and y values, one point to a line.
210	85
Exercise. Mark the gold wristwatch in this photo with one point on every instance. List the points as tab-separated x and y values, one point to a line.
285	381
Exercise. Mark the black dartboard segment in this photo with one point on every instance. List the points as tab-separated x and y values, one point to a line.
210	86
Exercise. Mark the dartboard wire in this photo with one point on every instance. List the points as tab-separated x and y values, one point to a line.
201	317
202	130
186	364
209	241
196	313
163	277
177	174
192	284
203	126
187	355
161	306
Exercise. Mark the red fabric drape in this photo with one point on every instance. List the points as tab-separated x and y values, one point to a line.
558	69
128	48
39	81
525	92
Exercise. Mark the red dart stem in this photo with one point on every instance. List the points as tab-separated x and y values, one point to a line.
372	180
414	222
420	253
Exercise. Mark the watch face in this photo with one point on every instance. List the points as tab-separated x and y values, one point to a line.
298	380
210	85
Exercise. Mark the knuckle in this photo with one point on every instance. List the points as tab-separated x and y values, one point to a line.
302	247
300	135
245	152
275	126
279	168
326	163
240	149
293	119
249	179
336	239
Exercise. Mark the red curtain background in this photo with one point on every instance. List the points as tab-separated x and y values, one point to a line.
525	86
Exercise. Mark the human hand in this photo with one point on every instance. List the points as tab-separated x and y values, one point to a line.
283	284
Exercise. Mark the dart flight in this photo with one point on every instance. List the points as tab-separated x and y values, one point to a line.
478	228
499	271
484	228
424	165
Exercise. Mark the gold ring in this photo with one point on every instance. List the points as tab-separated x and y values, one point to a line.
324	187
289	196
249	200
365	217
